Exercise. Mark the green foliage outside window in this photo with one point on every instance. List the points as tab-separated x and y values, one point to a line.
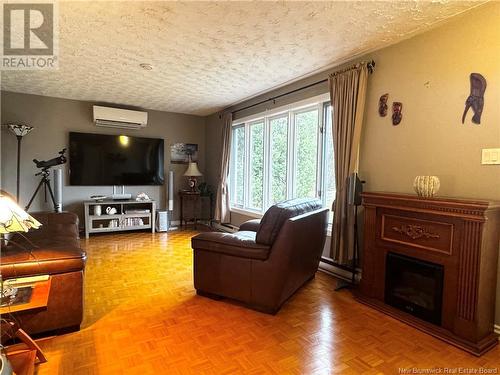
239	166
279	150
306	135
256	164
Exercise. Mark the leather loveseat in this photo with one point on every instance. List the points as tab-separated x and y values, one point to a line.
264	263
56	253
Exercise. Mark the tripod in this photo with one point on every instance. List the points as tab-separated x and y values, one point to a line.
45	181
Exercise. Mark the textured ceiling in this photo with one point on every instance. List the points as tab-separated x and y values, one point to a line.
207	55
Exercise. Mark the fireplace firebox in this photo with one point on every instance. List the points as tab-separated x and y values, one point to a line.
414	286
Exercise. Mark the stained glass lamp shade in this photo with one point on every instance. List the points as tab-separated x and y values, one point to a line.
13	218
20	130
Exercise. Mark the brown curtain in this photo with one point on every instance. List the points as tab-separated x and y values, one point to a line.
347	94
222	213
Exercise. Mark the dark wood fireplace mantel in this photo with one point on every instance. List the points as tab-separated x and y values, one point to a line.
459	234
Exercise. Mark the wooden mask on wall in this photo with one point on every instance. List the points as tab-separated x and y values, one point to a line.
476	97
382	105
397	115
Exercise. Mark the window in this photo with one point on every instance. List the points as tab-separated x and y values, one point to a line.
283	154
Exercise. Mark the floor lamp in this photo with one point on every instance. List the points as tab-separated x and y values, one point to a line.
19	131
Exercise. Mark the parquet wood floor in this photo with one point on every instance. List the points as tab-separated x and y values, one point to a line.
142	316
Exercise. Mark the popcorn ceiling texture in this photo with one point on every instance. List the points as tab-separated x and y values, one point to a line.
208	55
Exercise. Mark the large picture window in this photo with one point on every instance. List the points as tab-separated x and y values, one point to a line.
283	154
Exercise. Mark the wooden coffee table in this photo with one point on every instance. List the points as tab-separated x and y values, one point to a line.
23	356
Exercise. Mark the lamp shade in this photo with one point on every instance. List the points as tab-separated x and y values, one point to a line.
192	170
13	218
20	130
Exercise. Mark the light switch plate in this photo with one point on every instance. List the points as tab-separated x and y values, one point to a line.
490	156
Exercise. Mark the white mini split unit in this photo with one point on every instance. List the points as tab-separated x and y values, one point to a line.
119	118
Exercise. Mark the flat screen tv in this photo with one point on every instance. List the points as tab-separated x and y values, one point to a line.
97	159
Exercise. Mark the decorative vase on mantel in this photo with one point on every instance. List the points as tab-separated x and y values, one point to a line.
426	186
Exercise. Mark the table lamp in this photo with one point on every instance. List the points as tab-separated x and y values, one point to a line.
192	172
12	219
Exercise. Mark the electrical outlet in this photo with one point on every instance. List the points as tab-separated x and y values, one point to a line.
490	156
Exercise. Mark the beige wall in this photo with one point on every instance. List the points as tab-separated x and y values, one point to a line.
54	118
429	74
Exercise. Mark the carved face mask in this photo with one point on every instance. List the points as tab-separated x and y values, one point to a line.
382	105
397	114
476	97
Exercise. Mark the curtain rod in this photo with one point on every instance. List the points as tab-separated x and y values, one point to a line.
371	66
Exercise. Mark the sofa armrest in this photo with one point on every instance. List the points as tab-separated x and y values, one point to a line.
240	244
250	225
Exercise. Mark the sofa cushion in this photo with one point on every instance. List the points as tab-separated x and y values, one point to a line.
240	244
276	215
41	261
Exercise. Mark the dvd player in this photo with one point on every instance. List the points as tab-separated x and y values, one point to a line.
121	197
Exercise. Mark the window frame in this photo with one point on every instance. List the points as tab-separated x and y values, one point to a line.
268	190
248	188
325	137
319	147
232	167
291	110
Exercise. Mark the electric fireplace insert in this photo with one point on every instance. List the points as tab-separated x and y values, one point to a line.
414	286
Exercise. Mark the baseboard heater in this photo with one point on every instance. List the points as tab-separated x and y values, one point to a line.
232	227
338	270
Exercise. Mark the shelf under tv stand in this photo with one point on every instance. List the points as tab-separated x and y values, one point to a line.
99	223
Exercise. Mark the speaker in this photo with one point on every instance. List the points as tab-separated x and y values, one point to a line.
58	187
171	190
161	220
355	188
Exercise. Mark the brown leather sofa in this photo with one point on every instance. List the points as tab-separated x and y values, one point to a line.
264	263
58	254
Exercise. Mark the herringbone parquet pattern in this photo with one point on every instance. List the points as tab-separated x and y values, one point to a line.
142	316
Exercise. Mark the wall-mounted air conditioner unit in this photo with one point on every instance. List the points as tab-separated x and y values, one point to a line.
119	118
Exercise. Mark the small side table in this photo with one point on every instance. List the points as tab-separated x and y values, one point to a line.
24	355
194	207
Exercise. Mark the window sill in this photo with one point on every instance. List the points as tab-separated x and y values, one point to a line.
241	211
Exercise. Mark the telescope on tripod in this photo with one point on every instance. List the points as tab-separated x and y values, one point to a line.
45	166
